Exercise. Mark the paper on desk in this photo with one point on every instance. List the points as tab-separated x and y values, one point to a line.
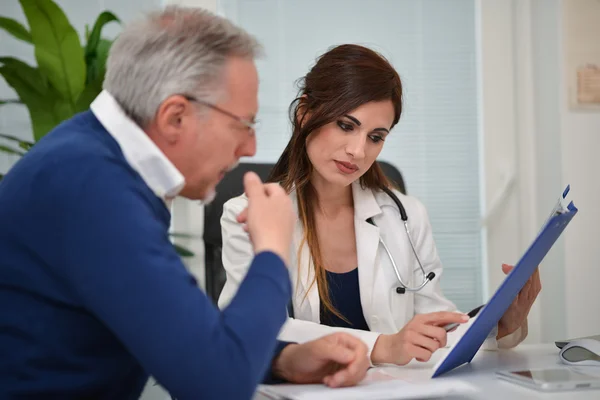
376	386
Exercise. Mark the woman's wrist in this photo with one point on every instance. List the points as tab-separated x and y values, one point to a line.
381	350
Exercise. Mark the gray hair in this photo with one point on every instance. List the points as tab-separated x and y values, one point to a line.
178	50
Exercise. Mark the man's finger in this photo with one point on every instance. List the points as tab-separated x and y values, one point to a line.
273	189
352	373
349	376
253	186
350	342
356	368
443	317
337	352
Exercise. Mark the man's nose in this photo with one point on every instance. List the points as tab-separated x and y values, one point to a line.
248	147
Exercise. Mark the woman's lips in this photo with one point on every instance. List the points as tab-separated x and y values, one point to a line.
346	167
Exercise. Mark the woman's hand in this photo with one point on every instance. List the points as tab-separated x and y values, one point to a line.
419	339
517	312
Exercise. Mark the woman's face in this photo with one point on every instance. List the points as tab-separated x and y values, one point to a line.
343	150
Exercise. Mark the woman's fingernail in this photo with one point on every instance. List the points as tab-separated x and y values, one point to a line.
465	317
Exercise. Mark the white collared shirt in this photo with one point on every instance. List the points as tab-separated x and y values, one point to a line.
157	171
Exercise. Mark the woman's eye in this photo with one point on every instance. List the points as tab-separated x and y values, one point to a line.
344	126
376	138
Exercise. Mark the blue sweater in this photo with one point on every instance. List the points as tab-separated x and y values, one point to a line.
93	297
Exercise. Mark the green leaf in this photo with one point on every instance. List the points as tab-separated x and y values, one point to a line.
26	72
58	50
24	144
45	105
102	56
16	29
91	91
96	72
182	251
10	150
96	64
94	38
1	176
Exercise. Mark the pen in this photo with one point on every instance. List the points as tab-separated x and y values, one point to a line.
471	314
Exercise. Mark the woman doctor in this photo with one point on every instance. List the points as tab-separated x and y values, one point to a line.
342	277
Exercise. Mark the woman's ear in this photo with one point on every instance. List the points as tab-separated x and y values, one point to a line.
302	110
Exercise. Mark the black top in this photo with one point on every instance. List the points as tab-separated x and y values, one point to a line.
344	293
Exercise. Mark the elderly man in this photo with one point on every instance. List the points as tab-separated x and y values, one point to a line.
94	297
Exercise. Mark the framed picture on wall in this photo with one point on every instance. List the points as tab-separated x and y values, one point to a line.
581	24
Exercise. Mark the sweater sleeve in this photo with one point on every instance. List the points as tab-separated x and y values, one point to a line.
119	262
270	377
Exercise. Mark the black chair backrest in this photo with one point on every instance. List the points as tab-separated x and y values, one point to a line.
393	175
232	186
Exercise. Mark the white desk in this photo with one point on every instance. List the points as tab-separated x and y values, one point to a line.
481	373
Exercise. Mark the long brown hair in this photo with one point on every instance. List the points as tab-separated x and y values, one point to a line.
343	79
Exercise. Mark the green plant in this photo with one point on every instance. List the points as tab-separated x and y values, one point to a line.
68	75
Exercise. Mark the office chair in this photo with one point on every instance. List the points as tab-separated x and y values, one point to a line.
232	186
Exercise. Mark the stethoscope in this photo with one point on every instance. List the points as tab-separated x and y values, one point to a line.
426	277
400	289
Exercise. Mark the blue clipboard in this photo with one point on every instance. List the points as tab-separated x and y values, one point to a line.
467	346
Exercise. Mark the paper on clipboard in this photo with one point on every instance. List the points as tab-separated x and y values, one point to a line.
560	207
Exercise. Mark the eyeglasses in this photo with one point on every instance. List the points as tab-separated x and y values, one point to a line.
251	125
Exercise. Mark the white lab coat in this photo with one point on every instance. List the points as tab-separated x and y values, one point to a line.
385	311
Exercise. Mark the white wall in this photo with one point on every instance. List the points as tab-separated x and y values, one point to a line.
580	138
568	151
580	141
528	126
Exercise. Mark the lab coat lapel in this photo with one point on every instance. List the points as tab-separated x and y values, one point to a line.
367	242
307	305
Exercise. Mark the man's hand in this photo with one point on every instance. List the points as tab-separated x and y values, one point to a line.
517	312
336	360
269	217
419	339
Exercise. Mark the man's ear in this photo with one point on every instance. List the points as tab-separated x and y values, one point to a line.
172	116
